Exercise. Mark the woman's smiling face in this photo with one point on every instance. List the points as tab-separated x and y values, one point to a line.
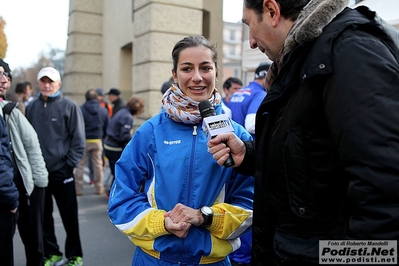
196	72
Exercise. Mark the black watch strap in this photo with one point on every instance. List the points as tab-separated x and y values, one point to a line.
207	214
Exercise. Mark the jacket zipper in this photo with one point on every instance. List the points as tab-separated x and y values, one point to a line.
190	177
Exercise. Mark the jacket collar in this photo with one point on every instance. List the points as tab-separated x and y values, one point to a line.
56	95
313	18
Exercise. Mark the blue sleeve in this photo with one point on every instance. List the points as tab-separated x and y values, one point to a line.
255	102
241	187
128	198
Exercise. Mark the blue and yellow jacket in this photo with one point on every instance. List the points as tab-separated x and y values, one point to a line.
166	163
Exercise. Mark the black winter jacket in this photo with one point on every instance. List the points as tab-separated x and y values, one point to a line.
95	118
60	127
327	146
8	191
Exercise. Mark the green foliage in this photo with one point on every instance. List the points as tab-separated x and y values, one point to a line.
3	39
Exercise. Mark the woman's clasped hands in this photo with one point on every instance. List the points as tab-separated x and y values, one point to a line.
179	220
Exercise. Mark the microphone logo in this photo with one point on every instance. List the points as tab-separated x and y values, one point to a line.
214	125
219	124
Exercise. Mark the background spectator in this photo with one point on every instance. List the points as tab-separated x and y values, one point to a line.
96	122
59	124
116	101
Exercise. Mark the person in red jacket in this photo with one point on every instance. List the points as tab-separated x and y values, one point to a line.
103	103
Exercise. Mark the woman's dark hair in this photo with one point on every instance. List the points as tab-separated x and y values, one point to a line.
289	9
193	41
136	105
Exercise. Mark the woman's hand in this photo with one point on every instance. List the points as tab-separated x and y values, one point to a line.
221	152
179	220
178	229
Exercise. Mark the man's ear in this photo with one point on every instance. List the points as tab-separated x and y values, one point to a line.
272	8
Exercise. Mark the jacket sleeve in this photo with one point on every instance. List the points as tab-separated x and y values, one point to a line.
125	129
128	206
76	131
8	191
247	166
234	216
105	123
362	109
29	143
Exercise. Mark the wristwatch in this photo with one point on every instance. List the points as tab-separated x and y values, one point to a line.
207	214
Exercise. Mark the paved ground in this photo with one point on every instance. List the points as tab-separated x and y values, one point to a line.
103	244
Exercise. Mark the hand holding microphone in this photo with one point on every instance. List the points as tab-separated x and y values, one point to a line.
215	124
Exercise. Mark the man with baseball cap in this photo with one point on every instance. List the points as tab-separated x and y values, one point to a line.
49	72
59	124
245	102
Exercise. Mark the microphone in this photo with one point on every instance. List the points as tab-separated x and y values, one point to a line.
213	124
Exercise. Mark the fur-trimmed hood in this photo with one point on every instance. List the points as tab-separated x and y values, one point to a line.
314	17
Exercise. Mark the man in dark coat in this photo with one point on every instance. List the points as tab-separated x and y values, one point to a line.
96	122
115	99
326	153
8	198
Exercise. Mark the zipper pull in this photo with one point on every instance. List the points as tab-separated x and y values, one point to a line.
195	131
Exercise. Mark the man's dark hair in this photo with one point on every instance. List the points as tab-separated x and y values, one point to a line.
227	84
289	9
91	95
21	87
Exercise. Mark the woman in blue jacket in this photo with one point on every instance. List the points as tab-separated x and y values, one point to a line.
170	197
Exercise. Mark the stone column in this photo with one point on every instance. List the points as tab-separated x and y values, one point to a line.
83	61
127	44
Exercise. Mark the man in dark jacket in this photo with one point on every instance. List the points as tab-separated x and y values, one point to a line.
59	124
96	122
326	153
115	99
8	197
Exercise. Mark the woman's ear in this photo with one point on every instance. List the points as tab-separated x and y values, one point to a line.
174	76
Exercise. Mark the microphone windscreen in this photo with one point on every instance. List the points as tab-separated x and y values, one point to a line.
206	109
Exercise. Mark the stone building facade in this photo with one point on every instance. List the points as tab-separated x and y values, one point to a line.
127	44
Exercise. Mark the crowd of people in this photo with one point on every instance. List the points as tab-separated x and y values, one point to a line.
51	139
314	139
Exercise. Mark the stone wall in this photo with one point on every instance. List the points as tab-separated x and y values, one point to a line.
127	44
